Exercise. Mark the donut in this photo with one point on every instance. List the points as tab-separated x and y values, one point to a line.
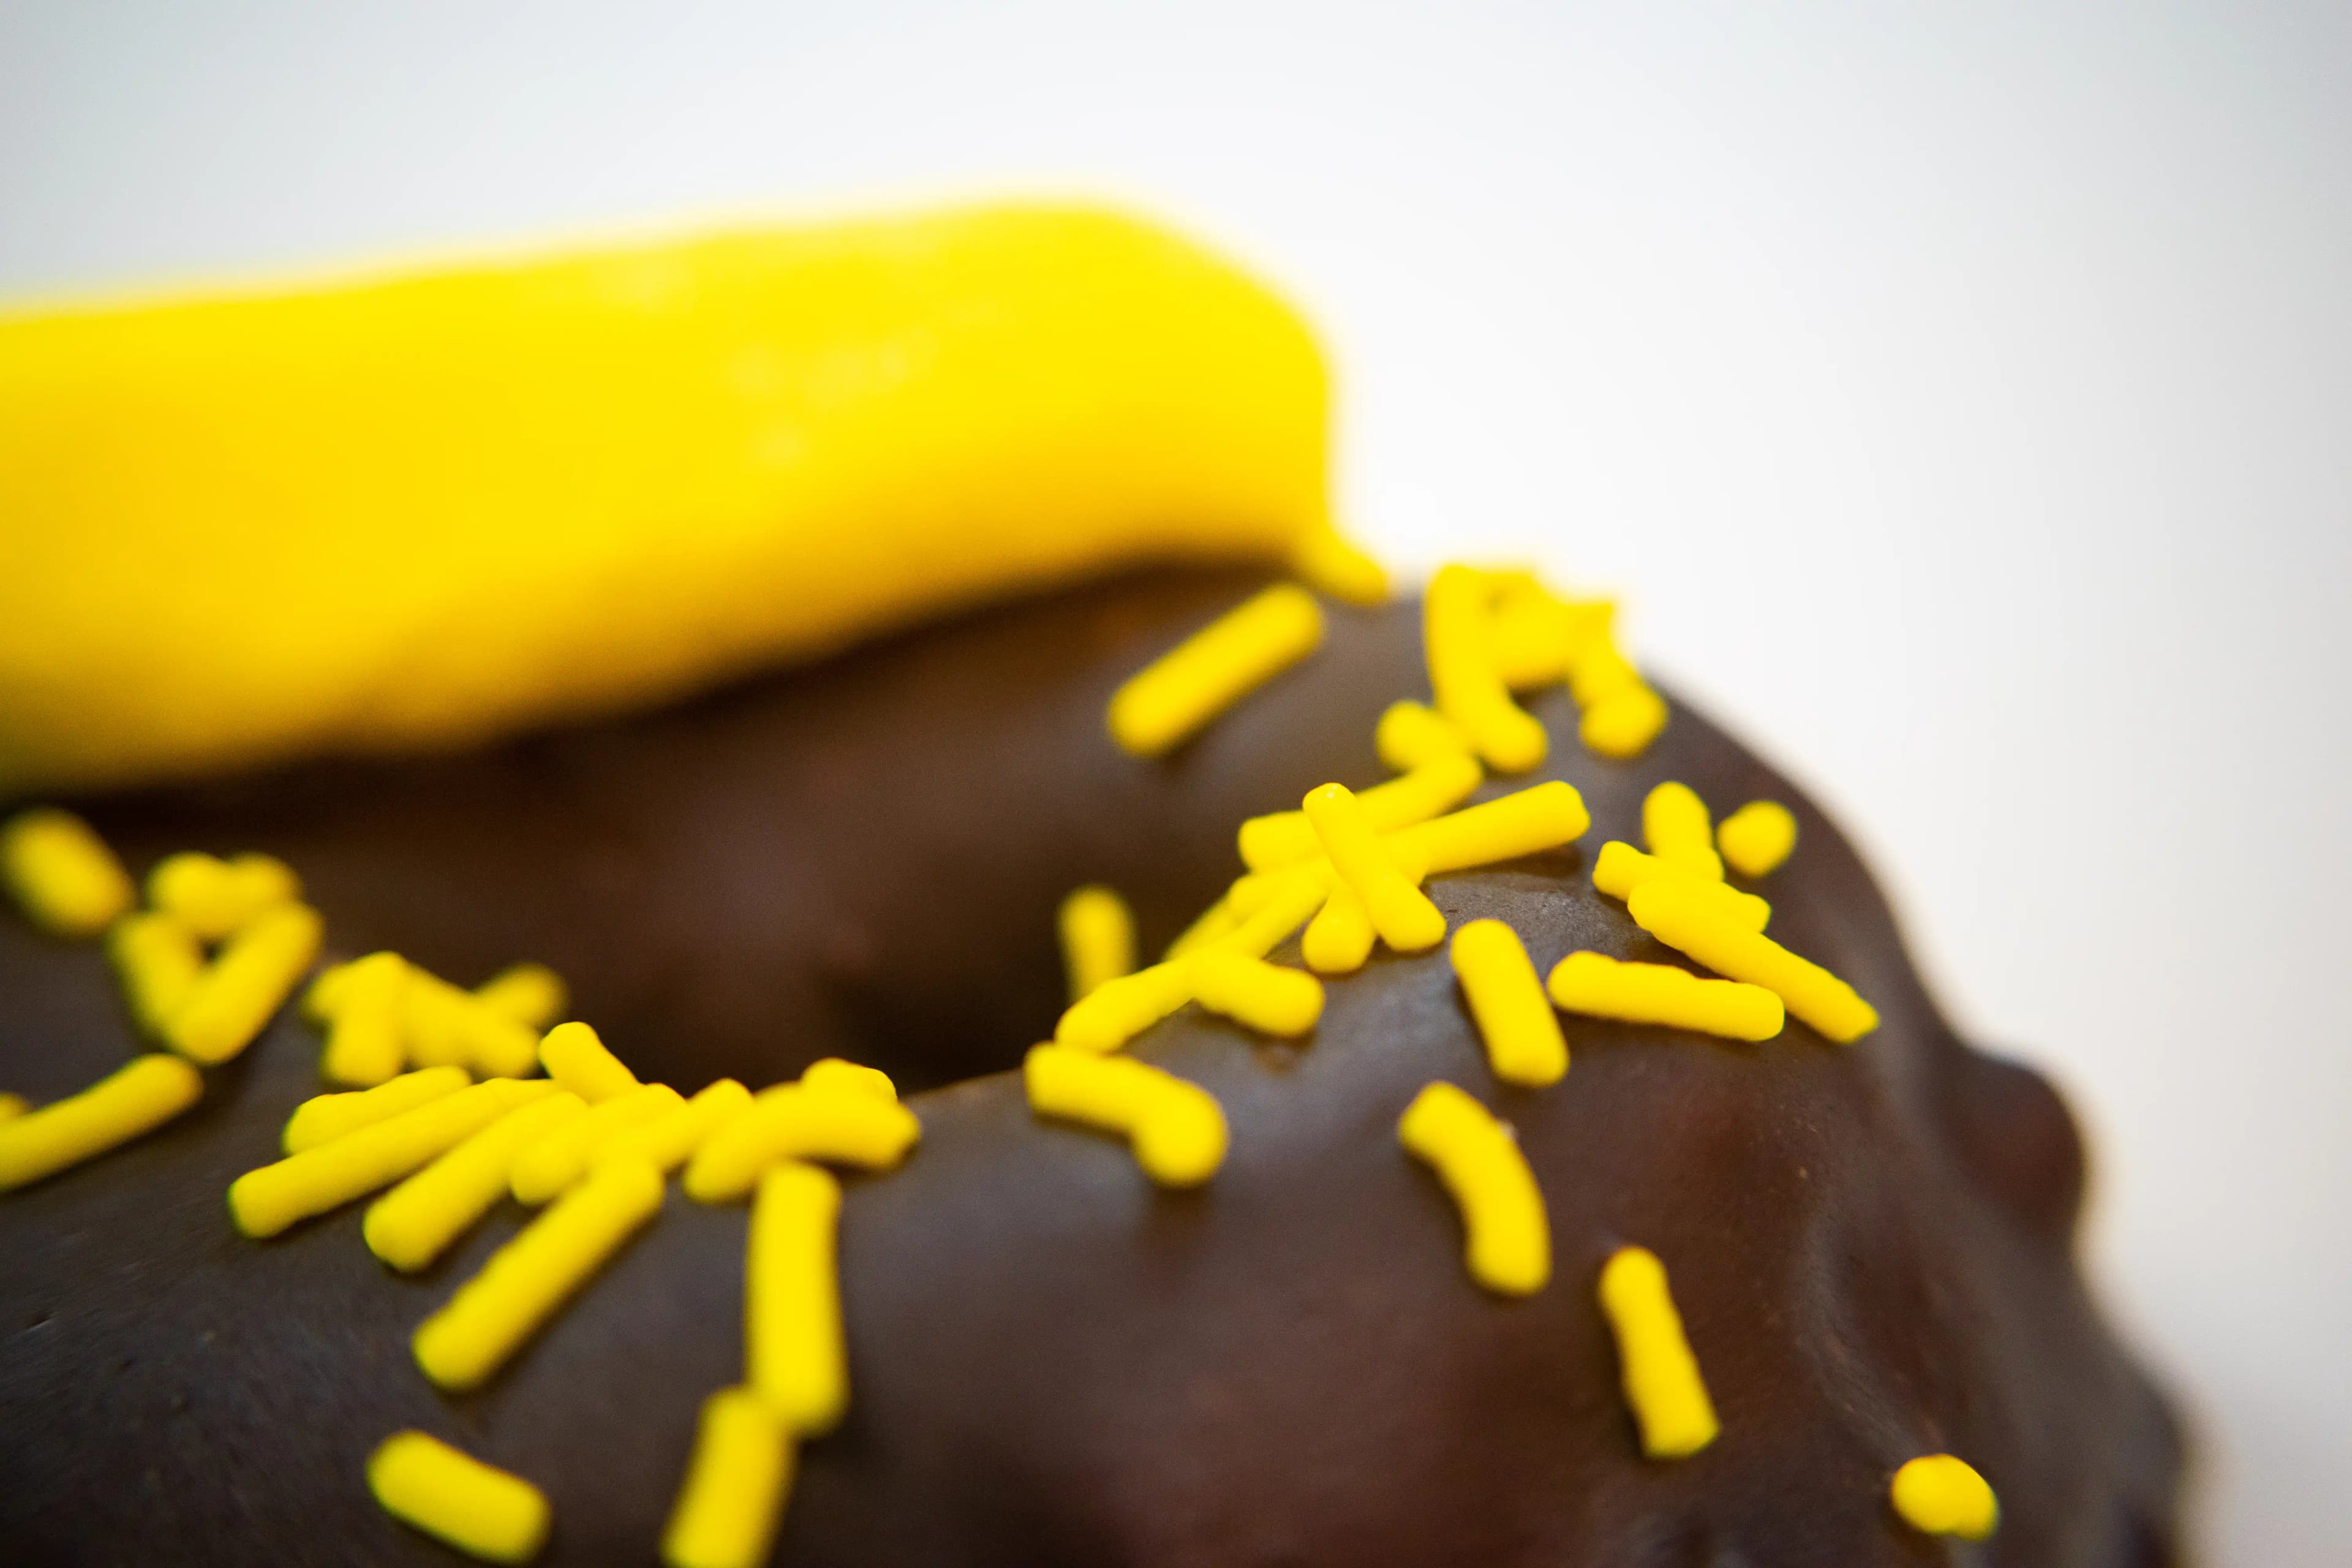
1581	1174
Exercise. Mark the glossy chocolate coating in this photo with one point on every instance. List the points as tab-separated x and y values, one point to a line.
1052	1362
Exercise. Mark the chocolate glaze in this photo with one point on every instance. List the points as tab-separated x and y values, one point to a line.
1052	1362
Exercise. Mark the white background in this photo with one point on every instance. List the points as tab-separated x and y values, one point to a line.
1962	396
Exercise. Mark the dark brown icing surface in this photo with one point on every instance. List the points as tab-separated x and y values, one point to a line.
1052	1362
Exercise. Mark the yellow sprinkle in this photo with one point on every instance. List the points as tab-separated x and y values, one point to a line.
1940	1495
61	873
265	1201
215	896
1339	940
1214	668
1619	868
241	988
833	1074
1462	673
1602	672
1601	987
1409	735
1661	1376
1286	837
159	961
794	1352
1400	911
1523	1039
1117	1011
575	1058
12	1106
1326	560
1621	725
1675	827
1684	920
1284	902
736	1485
325	995
134	1100
1097	935
1507	1235
669	1141
1267	997
416	1222
363	1041
446	1023
1538	638
525	1282
1758	837
551	1166
1524	823
791	1121
1218	920
456	1499
530	993
324	1118
1176	1128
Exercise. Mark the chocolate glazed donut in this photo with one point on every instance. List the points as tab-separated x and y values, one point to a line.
1053	1362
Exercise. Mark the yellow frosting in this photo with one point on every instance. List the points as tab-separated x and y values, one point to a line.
415	510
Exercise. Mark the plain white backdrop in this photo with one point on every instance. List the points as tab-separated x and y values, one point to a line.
1961	397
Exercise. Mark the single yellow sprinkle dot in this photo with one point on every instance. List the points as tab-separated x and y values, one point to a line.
1621	725
1684	920
525	1282
1661	1376
736	1484
134	1100
241	988
1097	934
1176	1128
794	1352
416	1222
324	1118
668	1142
1523	1039
214	897
1462	673
1619	868
833	1074
456	1499
446	1023
793	1122
575	1058
1214	668
1217	920
1286	837
1675	827
1339	938
1117	1011
61	873
1600	988
1400	912
1267	997
551	1166
265	1201
1507	1232
1409	735
363	1040
1325	558
1939	1495
1526	823
532	995
1758	838
159	961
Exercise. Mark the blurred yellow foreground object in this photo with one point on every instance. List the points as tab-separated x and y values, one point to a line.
416	509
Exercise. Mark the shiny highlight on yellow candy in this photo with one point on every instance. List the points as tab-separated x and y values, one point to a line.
1506	1231
457	1500
1176	1128
1171	700
1661	1374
